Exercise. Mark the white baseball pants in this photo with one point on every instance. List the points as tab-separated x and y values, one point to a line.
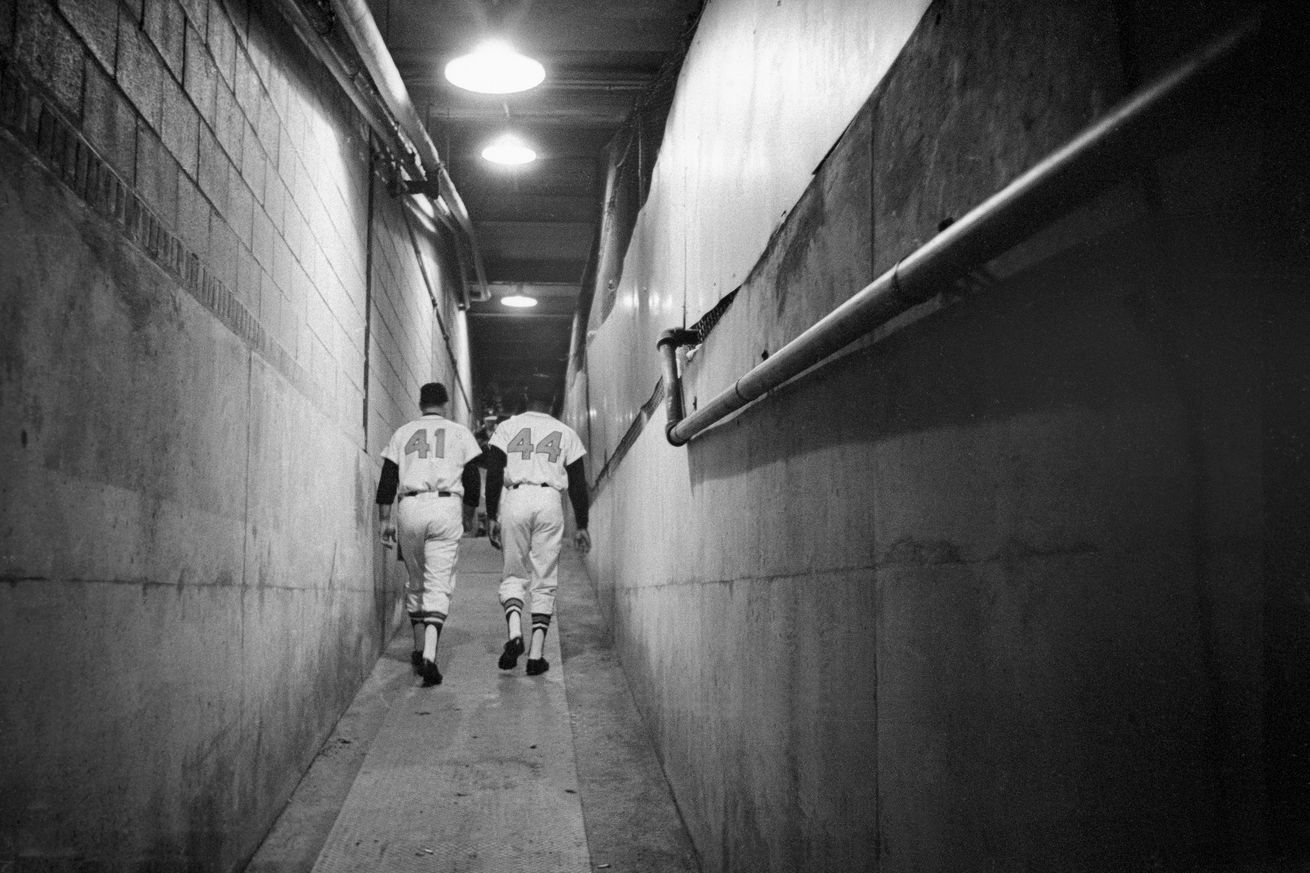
531	530
429	528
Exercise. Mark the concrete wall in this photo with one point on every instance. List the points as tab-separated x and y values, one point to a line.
193	272
753	63
1014	584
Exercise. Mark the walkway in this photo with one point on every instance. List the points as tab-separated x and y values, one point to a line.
480	773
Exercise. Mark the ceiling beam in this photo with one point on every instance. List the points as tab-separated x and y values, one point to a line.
567	72
522	353
550	143
575	232
526	326
506	243
558	290
551	177
535	270
478	316
499	207
592	115
540	27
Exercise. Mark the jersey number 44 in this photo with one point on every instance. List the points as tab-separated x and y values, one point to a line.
522	443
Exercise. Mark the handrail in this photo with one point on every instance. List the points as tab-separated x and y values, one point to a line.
1068	176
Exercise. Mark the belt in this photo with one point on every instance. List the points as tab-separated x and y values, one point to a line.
405	494
527	484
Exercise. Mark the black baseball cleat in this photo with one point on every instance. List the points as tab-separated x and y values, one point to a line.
428	670
509	658
416	660
537	666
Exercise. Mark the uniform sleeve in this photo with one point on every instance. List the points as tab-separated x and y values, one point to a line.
472	481
495	479
578	494
575	448
388	482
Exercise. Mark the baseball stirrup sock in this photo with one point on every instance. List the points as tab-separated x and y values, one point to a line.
430	616
540	624
423	621
514	616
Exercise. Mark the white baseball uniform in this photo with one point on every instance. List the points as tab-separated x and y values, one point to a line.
537	449
431	453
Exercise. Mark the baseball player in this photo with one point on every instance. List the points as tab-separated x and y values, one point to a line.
430	462
535	457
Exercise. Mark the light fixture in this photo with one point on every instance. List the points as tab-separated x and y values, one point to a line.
508	149
495	68
519	301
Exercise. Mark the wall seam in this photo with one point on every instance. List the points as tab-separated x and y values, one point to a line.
432	298
368	291
1156	309
873	516
245	530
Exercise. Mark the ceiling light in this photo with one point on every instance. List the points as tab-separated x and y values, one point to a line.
519	301
508	149
495	68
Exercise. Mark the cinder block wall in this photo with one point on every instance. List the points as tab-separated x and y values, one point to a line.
1018	582
199	372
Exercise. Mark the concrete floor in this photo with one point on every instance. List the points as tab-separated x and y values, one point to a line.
480	773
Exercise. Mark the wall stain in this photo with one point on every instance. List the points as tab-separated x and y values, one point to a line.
917	552
12	354
135	281
1018	549
364	498
803	226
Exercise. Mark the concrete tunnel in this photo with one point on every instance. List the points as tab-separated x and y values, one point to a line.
957	522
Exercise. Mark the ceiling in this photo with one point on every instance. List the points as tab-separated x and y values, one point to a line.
535	225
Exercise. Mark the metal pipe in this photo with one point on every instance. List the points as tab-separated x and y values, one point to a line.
1085	165
337	66
358	22
380	118
668	346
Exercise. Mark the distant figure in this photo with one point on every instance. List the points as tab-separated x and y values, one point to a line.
535	457
430	461
482	435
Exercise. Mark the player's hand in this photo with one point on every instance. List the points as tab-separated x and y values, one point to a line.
582	540
493	533
388	535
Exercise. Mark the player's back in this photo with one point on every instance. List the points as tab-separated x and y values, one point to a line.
431	452
537	449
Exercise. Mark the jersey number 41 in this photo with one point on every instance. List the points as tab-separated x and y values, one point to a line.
418	444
